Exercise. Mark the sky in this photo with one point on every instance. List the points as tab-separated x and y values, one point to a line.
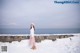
43	13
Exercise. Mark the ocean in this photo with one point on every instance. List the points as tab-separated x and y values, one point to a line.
39	31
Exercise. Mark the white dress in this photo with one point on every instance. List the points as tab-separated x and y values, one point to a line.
32	32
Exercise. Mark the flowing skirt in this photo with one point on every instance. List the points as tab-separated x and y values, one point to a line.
32	40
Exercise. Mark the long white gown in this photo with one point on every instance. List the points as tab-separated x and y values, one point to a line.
32	38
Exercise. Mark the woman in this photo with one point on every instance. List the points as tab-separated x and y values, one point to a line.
32	38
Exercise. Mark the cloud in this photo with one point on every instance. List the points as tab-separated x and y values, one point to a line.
13	24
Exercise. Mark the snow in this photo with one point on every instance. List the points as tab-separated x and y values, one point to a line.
65	45
38	34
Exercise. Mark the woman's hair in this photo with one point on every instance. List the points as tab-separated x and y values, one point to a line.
32	26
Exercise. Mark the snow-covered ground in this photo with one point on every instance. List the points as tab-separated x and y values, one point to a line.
65	45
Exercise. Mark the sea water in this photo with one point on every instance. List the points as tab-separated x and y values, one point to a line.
39	31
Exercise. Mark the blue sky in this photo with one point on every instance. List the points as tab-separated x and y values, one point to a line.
44	13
